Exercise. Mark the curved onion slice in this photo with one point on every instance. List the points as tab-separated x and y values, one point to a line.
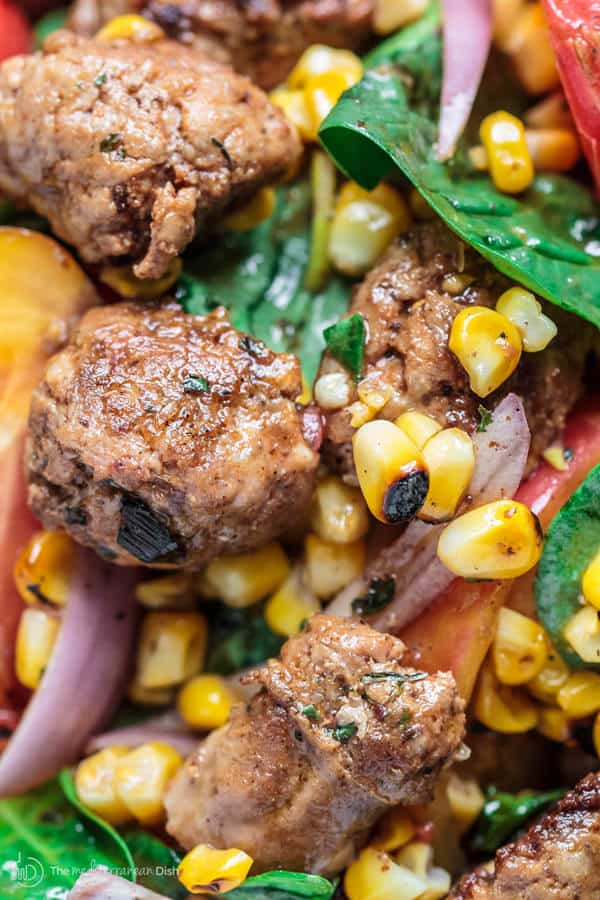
83	679
500	459
467	40
98	884
169	728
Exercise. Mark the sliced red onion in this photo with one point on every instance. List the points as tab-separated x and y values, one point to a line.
467	40
84	677
98	884
500	459
168	728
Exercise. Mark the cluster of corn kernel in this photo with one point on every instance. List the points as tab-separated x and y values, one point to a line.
488	343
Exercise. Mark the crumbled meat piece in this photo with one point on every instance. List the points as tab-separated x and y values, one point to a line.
260	38
338	733
556	859
129	148
409	302
165	438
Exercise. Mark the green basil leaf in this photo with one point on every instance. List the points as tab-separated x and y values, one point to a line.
284	886
239	639
346	342
504	814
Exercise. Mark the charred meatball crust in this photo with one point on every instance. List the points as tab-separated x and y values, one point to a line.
168	439
129	148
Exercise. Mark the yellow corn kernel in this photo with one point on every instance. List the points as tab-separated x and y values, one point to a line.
330	567
418	427
504	13
519	648
554	724
465	799
596	734
450	459
590	584
551	112
582	631
390	15
257	210
150	696
525	312
509	159
375	876
96	785
294	108
36	636
456	283
360	414
553	149
291	605
579	696
417	857
550	678
141	778
479	158
364	224
501	708
130	28
391	471
339	513
122	280
207	870
320	60
555	457
306	396
243	579
321	94
531	52
205	702
171	648
487	345
44	568
501	540
333	390
167	592
393	831
372	395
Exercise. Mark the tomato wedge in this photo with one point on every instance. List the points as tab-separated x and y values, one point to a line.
15	34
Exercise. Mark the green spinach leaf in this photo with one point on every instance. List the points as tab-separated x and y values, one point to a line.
346	342
547	239
504	814
284	886
155	863
239	639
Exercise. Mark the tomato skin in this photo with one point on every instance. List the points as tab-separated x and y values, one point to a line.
15	33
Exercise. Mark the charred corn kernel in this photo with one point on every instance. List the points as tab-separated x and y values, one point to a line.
130	28
553	149
171	648
141	778
390	15
122	280
391	471
487	345
257	210
590	583
96	785
333	390
364	224
596	734
554	724
504	13
550	678
205	702
505	709
417	857
450	459
293	105
579	696
330	567
465	799
582	631
43	570
375	876
320	60
519	648
555	457
418	427
290	606
321	94
393	831
550	112
525	312
36	636
150	696
509	159
243	579
206	870
531	52
498	540
167	592
338	513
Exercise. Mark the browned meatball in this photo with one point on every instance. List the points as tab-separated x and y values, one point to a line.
128	148
168	439
338	733
556	859
260	38
409	302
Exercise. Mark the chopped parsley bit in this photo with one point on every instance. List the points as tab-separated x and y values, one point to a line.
121	153
100	80
485	418
80	84
379	595
343	733
110	143
195	384
311	712
405	718
400	677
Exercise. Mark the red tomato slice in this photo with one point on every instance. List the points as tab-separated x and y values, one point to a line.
15	33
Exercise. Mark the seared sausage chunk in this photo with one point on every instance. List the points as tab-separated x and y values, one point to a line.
168	439
260	39
556	859
128	148
338	733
